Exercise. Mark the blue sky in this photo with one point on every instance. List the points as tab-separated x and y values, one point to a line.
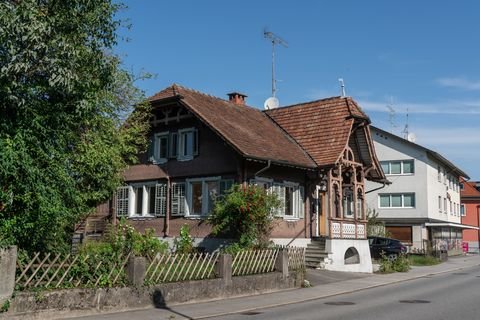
423	56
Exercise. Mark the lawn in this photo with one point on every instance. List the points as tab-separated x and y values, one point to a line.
420	260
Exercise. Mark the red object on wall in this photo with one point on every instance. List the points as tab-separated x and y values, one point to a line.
470	199
465	247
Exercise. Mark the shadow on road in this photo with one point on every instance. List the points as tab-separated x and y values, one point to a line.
159	303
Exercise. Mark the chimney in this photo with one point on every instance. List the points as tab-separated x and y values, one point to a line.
237	98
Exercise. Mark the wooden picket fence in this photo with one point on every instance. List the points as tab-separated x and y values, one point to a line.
180	267
74	271
296	258
70	271
254	261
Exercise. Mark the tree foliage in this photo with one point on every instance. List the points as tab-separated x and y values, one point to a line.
245	214
63	102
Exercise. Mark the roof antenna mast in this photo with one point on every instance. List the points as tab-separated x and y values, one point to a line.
342	84
275	40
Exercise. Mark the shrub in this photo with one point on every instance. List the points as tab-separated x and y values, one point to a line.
123	239
400	264
245	214
184	243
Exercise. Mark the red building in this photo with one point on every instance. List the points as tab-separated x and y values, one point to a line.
470	210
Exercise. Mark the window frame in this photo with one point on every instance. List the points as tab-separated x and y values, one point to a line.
402	170
463	210
205	196
390	195
181	156
129	200
156	147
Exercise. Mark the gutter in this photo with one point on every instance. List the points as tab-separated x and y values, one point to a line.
383	186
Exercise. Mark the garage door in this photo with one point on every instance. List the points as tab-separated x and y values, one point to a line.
403	234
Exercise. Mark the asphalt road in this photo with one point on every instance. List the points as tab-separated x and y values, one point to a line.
448	296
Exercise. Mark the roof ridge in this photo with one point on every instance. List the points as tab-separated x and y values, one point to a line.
308	102
200	92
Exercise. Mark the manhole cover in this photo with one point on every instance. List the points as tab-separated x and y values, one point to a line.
414	301
250	313
340	303
460	273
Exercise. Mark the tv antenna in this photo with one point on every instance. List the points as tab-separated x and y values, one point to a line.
407	135
342	84
275	40
391	115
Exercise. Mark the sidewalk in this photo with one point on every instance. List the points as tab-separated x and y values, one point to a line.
349	283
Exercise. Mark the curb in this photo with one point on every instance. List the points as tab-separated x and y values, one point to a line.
330	295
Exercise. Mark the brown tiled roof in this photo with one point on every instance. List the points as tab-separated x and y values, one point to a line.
321	127
141	172
469	189
246	129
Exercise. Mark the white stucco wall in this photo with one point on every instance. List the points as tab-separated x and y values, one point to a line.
336	257
424	182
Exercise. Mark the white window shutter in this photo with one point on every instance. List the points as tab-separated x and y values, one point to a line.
178	199
121	203
301	202
160	199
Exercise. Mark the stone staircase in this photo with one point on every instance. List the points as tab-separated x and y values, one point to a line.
315	253
91	228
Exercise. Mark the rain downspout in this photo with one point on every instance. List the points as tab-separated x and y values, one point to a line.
269	162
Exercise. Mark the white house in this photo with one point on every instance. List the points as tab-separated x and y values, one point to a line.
422	203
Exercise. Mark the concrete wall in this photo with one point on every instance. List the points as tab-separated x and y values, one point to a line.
80	302
336	257
8	261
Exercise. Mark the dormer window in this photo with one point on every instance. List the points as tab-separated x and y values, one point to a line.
182	145
160	149
187	144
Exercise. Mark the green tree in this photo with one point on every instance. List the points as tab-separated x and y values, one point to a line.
64	99
245	214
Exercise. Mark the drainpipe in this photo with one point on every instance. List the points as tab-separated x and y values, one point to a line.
166	228
269	162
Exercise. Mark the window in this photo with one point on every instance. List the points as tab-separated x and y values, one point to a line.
461	186
397	200
202	194
187	144
160	149
463	212
291	195
445	205
439	204
141	200
439	174
182	145
348	210
400	167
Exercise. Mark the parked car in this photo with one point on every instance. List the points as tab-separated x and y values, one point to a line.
391	248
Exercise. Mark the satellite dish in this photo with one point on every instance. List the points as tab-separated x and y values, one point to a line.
411	137
271	103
